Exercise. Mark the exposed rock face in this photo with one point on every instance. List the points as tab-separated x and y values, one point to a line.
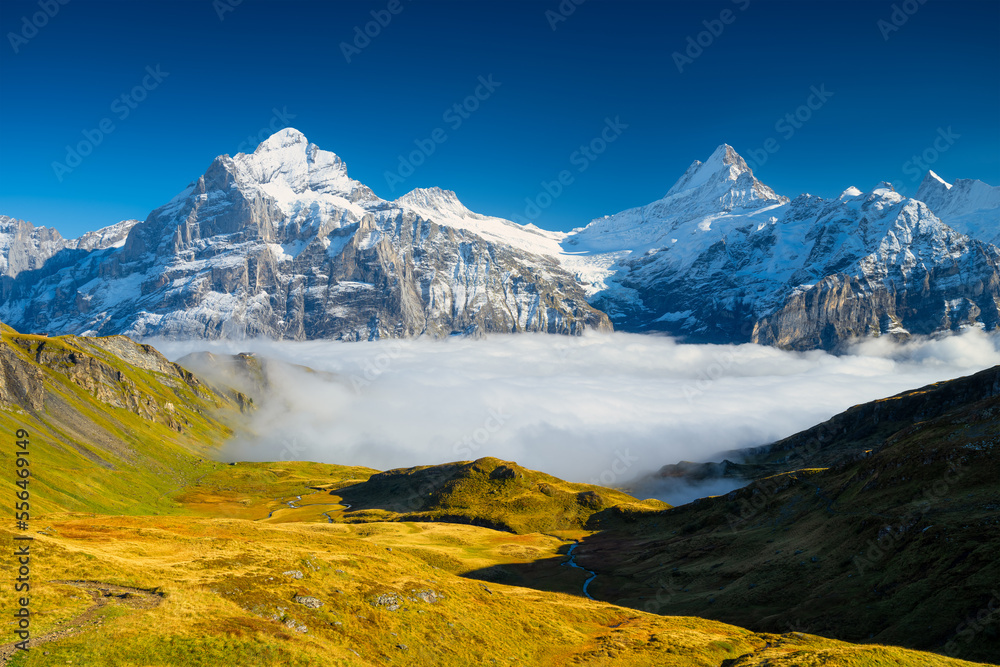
21	385
283	244
105	368
840	309
24	247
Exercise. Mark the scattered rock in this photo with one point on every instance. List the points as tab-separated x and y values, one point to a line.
308	601
292	624
504	472
294	574
590	500
429	596
389	601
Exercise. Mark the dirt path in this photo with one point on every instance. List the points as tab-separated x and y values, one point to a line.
102	595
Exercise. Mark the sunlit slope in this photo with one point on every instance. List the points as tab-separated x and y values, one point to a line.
240	592
114	426
486	492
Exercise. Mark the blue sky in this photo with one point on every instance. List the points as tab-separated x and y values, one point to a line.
214	76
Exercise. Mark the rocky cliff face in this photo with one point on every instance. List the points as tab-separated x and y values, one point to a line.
109	371
283	244
24	247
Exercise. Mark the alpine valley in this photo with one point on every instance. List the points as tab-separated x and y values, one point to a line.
283	244
145	549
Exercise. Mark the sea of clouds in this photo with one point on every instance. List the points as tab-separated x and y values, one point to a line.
602	408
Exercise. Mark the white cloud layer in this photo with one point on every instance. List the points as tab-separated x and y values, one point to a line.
602	408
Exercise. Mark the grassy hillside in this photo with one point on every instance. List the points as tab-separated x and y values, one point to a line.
242	591
898	546
219	590
114	426
850	434
487	492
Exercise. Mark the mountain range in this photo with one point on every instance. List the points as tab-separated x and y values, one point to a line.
282	243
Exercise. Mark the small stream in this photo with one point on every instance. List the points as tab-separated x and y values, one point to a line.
291	504
572	563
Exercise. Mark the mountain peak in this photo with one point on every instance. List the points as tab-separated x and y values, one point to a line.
933	191
725	180
932	178
723	164
289	136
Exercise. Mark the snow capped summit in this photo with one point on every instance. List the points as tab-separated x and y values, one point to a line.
294	172
695	210
434	199
931	180
723	258
25	247
723	164
284	138
723	179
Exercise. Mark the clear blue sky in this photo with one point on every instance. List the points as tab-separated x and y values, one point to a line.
225	77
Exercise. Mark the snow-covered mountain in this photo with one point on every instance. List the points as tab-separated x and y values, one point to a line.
722	258
969	206
24	247
283	243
